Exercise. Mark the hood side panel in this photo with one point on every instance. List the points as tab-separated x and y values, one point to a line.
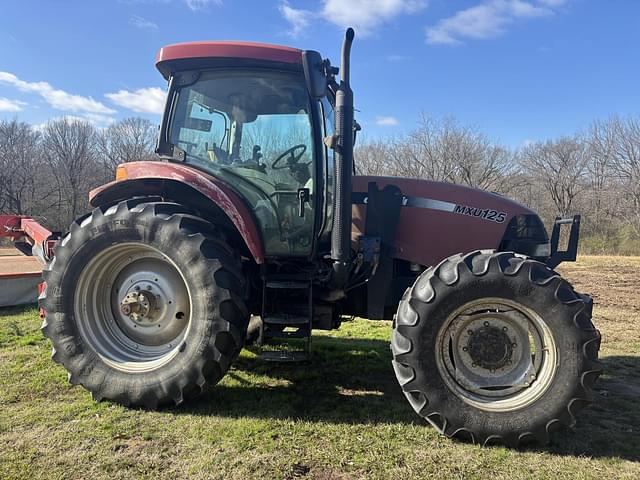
427	235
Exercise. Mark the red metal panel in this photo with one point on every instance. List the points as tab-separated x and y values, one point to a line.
257	51
35	231
426	236
23	228
209	186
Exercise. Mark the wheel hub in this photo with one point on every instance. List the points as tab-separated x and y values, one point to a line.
134	306
140	306
496	354
490	347
150	304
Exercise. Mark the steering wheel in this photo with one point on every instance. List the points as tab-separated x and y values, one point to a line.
292	160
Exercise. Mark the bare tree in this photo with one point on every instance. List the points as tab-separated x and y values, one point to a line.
625	135
441	150
128	140
374	157
560	166
20	167
69	147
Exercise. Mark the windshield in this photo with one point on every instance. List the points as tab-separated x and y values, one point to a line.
253	130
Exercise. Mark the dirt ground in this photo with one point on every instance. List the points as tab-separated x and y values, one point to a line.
611	281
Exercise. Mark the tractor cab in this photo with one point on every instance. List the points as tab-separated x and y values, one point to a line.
244	114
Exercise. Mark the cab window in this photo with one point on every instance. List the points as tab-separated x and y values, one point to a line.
253	130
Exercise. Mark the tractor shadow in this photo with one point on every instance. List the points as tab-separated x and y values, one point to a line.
346	380
350	381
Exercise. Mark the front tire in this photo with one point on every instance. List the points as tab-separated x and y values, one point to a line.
143	304
495	348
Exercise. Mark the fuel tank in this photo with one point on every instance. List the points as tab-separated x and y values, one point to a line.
442	219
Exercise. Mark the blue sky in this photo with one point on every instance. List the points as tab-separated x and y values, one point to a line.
519	70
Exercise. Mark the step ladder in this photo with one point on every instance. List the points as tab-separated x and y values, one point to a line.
287	313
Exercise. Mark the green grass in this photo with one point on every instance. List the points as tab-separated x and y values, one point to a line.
341	416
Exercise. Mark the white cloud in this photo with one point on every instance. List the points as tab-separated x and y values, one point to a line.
488	19
142	23
398	58
98	120
144	100
553	3
58	99
196	5
386	121
7	105
193	5
299	19
364	15
69	118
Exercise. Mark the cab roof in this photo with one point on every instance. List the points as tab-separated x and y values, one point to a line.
193	54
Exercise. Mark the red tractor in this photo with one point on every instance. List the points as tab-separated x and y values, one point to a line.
254	213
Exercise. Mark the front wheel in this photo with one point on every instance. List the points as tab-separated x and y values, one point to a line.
495	347
143	304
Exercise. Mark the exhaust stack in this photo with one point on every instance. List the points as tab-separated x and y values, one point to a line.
341	233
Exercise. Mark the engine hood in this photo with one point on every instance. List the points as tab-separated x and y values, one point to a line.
440	219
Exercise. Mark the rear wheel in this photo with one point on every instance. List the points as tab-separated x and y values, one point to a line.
495	347
143	304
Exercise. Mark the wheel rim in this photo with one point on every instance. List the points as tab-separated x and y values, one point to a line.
496	354
133	307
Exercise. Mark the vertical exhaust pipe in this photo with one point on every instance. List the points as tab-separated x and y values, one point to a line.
343	154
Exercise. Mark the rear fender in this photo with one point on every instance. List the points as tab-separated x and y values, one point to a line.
207	195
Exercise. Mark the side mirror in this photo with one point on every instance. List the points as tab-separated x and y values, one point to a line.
314	73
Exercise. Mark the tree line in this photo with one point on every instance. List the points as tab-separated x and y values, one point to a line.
595	172
47	172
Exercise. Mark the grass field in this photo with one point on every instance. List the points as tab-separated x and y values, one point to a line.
341	417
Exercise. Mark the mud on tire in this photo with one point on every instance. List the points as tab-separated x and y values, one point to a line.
197	349
452	379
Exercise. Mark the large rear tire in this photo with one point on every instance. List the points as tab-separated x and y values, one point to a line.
144	304
495	348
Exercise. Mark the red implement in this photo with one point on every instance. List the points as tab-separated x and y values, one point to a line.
25	230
